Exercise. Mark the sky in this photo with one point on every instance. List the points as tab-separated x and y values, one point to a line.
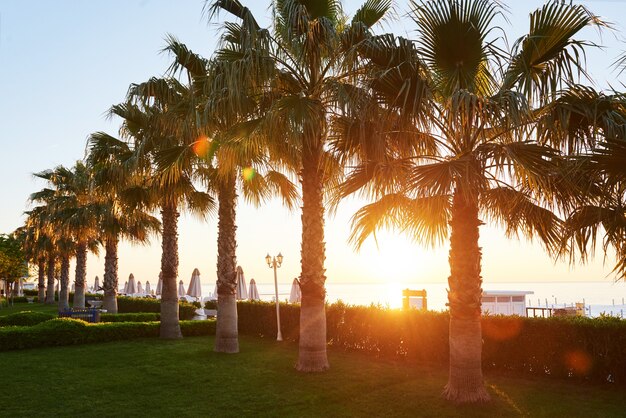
63	63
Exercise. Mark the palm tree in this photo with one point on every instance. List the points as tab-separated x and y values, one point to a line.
460	140
50	212
302	73
36	245
592	126
117	213
155	124
227	167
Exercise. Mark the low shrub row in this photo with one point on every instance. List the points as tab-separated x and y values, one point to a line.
135	305
130	317
66	331
25	318
577	348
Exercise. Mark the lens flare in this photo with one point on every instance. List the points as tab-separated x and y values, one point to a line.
578	361
501	329
248	173
201	146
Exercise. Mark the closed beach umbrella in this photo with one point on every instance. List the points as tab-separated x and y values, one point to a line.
253	293
73	288
241	285
181	289
148	289
132	285
139	287
96	284
295	295
195	289
125	288
215	291
159	287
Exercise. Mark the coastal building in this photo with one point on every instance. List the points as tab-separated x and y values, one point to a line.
505	302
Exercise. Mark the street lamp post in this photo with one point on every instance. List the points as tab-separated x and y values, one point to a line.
275	262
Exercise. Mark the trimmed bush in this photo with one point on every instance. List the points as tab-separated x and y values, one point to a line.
130	317
25	318
31	292
134	305
66	331
565	347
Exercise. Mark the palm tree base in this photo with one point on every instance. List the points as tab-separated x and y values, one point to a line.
109	303
170	326
79	297
226	332
312	355
465	382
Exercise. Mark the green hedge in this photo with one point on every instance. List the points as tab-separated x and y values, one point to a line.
66	331
565	347
130	317
127	304
25	318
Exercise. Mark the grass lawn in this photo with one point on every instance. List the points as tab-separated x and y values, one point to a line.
20	307
186	379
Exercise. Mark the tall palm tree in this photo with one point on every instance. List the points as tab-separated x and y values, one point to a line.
302	72
154	123
118	214
459	140
228	167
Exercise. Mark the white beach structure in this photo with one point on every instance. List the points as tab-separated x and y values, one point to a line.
505	302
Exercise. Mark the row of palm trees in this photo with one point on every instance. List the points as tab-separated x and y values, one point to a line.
440	133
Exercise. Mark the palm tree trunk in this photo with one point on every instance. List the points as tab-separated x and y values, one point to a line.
312	346
109	280
226	333
41	279
170	327
465	381
81	273
64	294
50	284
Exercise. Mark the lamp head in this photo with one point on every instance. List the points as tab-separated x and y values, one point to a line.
279	258
268	260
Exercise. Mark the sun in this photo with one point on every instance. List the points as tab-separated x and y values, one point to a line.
395	258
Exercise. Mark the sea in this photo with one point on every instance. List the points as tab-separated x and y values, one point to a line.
599	297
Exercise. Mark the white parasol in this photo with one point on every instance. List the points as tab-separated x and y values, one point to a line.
139	288
241	285
132	286
159	287
96	284
253	292
181	289
195	289
296	294
148	289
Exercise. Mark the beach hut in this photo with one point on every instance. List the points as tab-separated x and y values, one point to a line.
241	285
253	292
505	302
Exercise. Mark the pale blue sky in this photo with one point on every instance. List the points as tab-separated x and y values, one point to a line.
64	62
